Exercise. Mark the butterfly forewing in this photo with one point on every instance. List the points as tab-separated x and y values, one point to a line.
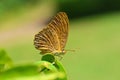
53	37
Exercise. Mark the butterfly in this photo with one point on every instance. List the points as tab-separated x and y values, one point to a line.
53	38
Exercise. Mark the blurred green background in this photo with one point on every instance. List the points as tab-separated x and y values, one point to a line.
94	34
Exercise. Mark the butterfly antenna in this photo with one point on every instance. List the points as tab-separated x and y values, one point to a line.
72	50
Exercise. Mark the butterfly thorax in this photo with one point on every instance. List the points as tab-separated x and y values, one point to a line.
57	53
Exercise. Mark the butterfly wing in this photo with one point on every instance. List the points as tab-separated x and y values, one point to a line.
54	36
60	25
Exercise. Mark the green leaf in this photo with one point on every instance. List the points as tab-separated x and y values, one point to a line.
32	72
52	76
5	61
56	63
18	71
1	67
47	69
60	68
48	57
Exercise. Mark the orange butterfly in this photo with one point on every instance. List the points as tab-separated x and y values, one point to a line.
53	38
